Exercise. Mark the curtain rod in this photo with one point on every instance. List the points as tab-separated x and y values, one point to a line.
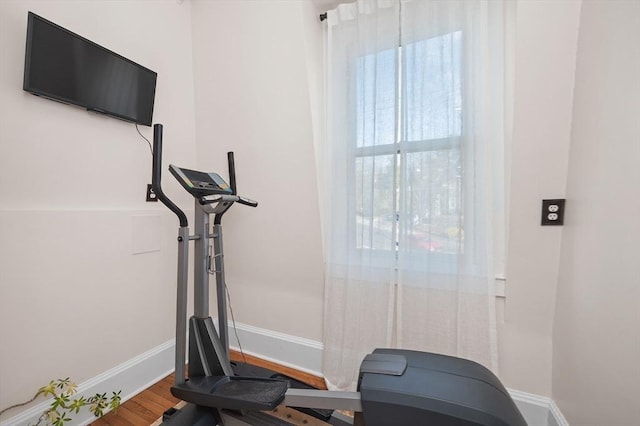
323	16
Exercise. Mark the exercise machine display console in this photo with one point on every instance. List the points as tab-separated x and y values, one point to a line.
200	184
210	189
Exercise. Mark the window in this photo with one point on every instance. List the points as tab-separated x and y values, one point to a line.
408	134
413	160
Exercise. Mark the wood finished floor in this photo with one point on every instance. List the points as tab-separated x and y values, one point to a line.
144	408
147	406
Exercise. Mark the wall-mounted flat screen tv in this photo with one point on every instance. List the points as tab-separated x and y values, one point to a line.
64	66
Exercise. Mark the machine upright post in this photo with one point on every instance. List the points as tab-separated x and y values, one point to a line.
183	255
221	289
201	267
181	305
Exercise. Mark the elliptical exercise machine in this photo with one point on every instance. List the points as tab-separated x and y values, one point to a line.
395	387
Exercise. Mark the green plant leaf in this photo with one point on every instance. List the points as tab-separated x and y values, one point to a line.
77	404
49	389
62	383
72	388
60	401
61	419
115	403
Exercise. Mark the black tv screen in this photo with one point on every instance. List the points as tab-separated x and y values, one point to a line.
64	66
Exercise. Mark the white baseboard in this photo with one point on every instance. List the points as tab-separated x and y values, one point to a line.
131	377
538	410
555	415
284	349
301	354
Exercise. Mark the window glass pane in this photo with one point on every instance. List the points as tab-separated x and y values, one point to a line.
431	203
433	94
375	212
430	186
376	99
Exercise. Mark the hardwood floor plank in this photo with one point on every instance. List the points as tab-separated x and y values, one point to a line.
129	414
163	389
153	401
109	420
143	411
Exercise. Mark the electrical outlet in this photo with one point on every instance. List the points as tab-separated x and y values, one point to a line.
151	196
552	212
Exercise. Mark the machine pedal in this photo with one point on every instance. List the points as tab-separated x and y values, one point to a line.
232	392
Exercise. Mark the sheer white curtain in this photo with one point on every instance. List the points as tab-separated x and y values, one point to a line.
413	167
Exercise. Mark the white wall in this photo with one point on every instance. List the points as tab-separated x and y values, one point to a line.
74	300
543	88
252	97
596	335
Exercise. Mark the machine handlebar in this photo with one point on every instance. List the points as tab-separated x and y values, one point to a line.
247	202
157	175
232	183
211	199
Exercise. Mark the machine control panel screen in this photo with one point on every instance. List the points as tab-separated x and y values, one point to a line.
199	183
